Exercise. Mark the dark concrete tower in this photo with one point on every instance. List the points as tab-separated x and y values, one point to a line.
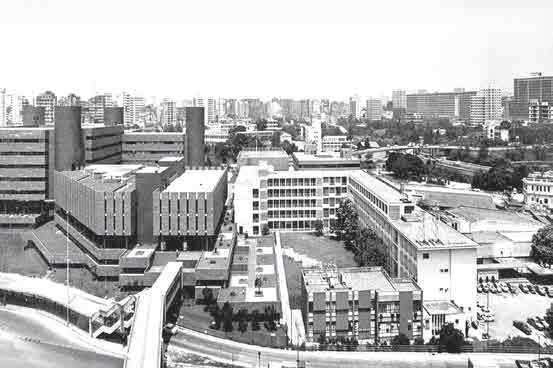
195	136
69	147
113	116
33	115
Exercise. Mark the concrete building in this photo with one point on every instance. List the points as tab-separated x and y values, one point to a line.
537	189
355	107
277	158
287	200
314	134
334	143
195	136
399	99
187	214
114	116
133	109
210	109
69	154
323	161
374	109
364	303
168	112
146	148
496	130
540	111
94	111
420	246
26	175
486	105
440	104
102	144
527	89
48	101
33	116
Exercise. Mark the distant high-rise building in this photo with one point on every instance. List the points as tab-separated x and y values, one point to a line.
94	111
168	112
374	109
399	99
485	105
48	100
70	100
529	89
355	107
210	108
195	140
440	104
3	106
133	107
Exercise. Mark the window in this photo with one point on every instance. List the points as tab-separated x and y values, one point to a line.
425	256
256	230
255	193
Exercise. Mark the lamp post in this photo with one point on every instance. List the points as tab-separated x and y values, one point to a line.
259	359
67	264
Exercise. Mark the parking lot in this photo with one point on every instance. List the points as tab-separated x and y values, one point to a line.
509	307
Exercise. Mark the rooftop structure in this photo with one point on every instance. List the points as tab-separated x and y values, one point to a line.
196	181
443	197
278	158
327	160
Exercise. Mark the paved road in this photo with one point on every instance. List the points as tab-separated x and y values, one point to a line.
247	355
49	349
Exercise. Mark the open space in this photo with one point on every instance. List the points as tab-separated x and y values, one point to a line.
83	279
319	247
15	258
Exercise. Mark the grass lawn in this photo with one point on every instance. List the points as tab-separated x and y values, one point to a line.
195	318
319	247
14	258
83	279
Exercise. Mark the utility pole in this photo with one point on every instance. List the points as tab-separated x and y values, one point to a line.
259	359
67	264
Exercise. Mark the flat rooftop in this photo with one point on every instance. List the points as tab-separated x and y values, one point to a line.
452	198
112	171
332	157
262	154
441	307
362	278
196	181
497	220
385	191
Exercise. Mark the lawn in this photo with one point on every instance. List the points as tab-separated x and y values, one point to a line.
194	317
15	258
321	248
83	279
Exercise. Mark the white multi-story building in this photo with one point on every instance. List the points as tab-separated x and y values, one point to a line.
374	109
133	108
333	143
419	246
47	100
486	105
355	107
168	112
399	99
216	135
210	108
3	107
540	111
313	134
287	200
495	129
537	189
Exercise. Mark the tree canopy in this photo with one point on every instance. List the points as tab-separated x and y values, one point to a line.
405	165
542	245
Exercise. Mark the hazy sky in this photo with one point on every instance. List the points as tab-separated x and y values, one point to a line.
296	48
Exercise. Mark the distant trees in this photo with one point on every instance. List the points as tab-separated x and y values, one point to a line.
400	339
289	147
549	318
542	245
261	124
450	339
319	227
227	317
405	165
502	176
346	222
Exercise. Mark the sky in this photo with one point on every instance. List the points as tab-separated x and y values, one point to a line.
263	48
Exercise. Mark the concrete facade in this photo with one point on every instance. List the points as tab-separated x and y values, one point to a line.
147	148
102	144
195	130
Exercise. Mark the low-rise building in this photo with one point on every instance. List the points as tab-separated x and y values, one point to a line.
537	189
324	161
333	143
277	158
364	303
146	148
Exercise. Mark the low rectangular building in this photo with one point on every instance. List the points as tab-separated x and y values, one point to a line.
102	144
364	303
146	148
274	157
328	160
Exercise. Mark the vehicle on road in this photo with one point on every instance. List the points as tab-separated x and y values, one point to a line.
524	288
550	292
541	290
486	288
503	287
523	326
531	289
479	288
474	325
170	329
536	324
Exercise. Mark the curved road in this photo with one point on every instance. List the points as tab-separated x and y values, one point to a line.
247	355
26	343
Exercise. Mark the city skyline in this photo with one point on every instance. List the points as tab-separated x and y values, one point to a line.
307	49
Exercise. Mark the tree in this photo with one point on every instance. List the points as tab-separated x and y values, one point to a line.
227	317
265	229
405	166
275	139
542	245
549	318
368	249
346	223
418	341
207	294
261	124
242	320
318	227
400	339
289	147
451	339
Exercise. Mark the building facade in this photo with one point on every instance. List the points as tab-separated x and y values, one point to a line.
537	189
374	109
540	111
527	89
399	99
486	105
48	101
287	200
146	148
443	104
363	303
333	143
102	144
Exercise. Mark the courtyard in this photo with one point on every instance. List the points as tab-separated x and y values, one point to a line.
14	257
320	248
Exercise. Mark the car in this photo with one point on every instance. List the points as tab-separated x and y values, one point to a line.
542	321
488	317
474	325
486	288
479	288
523	326
523	288
532	322
531	289
541	290
170	329
503	287
550	292
513	290
493	289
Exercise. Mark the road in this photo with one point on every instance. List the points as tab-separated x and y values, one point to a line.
247	355
48	348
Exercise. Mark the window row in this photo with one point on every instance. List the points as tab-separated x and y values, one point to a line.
292	193
292	214
288	182
283	203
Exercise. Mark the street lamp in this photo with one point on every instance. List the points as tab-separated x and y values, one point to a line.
259	359
67	263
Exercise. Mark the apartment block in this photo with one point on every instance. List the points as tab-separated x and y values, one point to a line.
364	303
333	143
26	166
537	188
287	200
441	104
419	246
146	148
534	87
187	214
102	144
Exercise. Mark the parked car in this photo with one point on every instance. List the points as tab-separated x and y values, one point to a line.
537	325
523	288
479	288
542	321
503	287
493	289
550	292
541	290
474	325
486	288
523	327
531	289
